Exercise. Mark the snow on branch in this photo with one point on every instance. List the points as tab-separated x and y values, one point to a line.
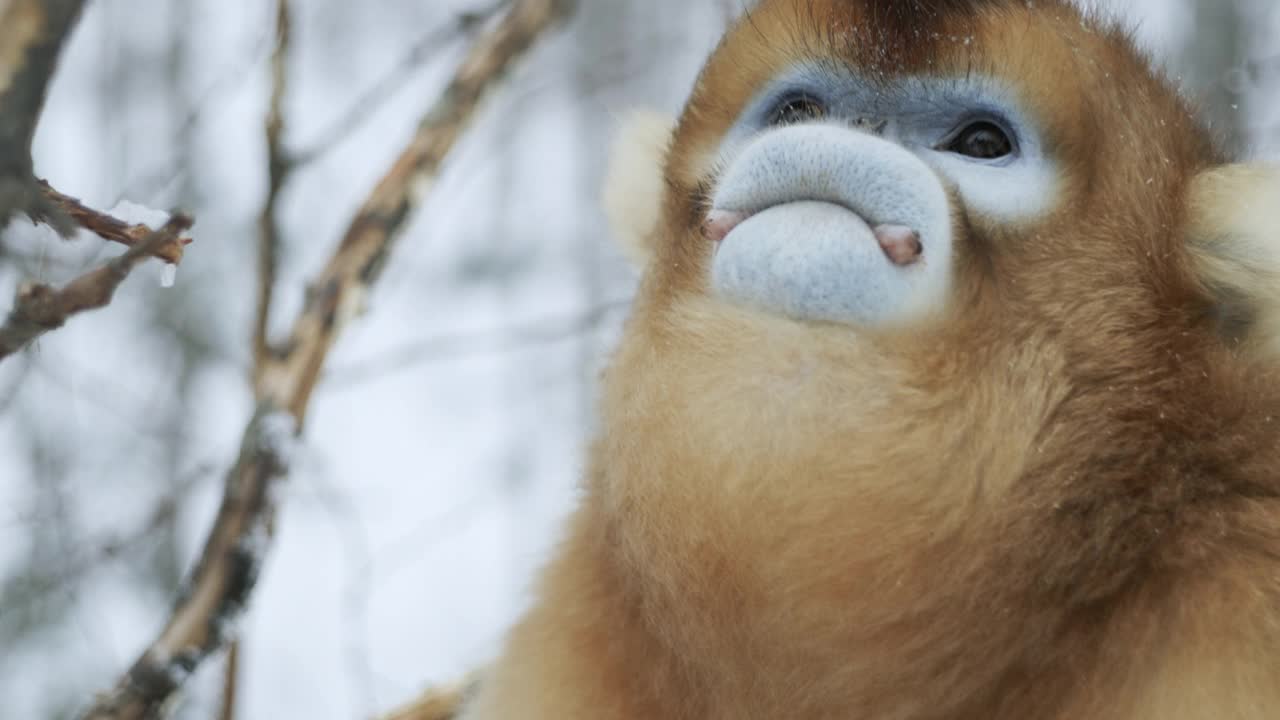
39	308
111	228
220	585
214	598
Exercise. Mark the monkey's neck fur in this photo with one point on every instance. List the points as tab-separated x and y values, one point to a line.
967	558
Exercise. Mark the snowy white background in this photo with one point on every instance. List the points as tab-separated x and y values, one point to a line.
444	448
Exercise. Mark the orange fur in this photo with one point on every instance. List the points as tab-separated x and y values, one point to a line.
1059	501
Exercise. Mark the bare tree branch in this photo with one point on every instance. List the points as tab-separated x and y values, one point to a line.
219	586
277	173
268	260
513	338
41	308
113	229
32	33
339	293
218	589
231	684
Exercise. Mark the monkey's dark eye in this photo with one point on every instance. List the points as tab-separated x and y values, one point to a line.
797	109
981	140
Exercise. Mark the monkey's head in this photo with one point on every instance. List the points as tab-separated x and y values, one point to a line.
877	164
924	276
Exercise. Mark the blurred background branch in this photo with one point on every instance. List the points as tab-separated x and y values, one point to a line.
379	92
224	577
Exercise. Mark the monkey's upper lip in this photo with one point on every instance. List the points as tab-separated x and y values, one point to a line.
901	244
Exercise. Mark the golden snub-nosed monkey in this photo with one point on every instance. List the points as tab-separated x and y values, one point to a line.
951	392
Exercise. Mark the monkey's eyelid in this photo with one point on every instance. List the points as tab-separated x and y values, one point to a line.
806	105
978	118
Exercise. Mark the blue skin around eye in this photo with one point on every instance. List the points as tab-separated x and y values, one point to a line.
922	111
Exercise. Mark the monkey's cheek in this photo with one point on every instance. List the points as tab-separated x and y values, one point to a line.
815	261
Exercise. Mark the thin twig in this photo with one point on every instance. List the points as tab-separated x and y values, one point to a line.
377	94
448	348
110	547
110	228
40	308
230	687
219	587
277	173
208	105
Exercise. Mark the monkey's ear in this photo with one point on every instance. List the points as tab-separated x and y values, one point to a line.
633	186
1235	241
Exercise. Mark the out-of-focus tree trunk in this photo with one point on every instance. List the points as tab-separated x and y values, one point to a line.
1217	51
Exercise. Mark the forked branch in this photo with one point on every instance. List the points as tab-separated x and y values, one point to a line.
40	308
338	294
111	228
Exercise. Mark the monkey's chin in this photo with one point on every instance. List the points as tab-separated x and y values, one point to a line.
818	261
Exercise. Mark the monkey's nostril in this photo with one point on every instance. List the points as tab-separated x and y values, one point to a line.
900	243
720	223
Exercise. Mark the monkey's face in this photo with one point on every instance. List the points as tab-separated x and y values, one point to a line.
840	192
875	164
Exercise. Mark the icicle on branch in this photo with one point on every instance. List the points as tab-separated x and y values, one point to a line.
39	308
